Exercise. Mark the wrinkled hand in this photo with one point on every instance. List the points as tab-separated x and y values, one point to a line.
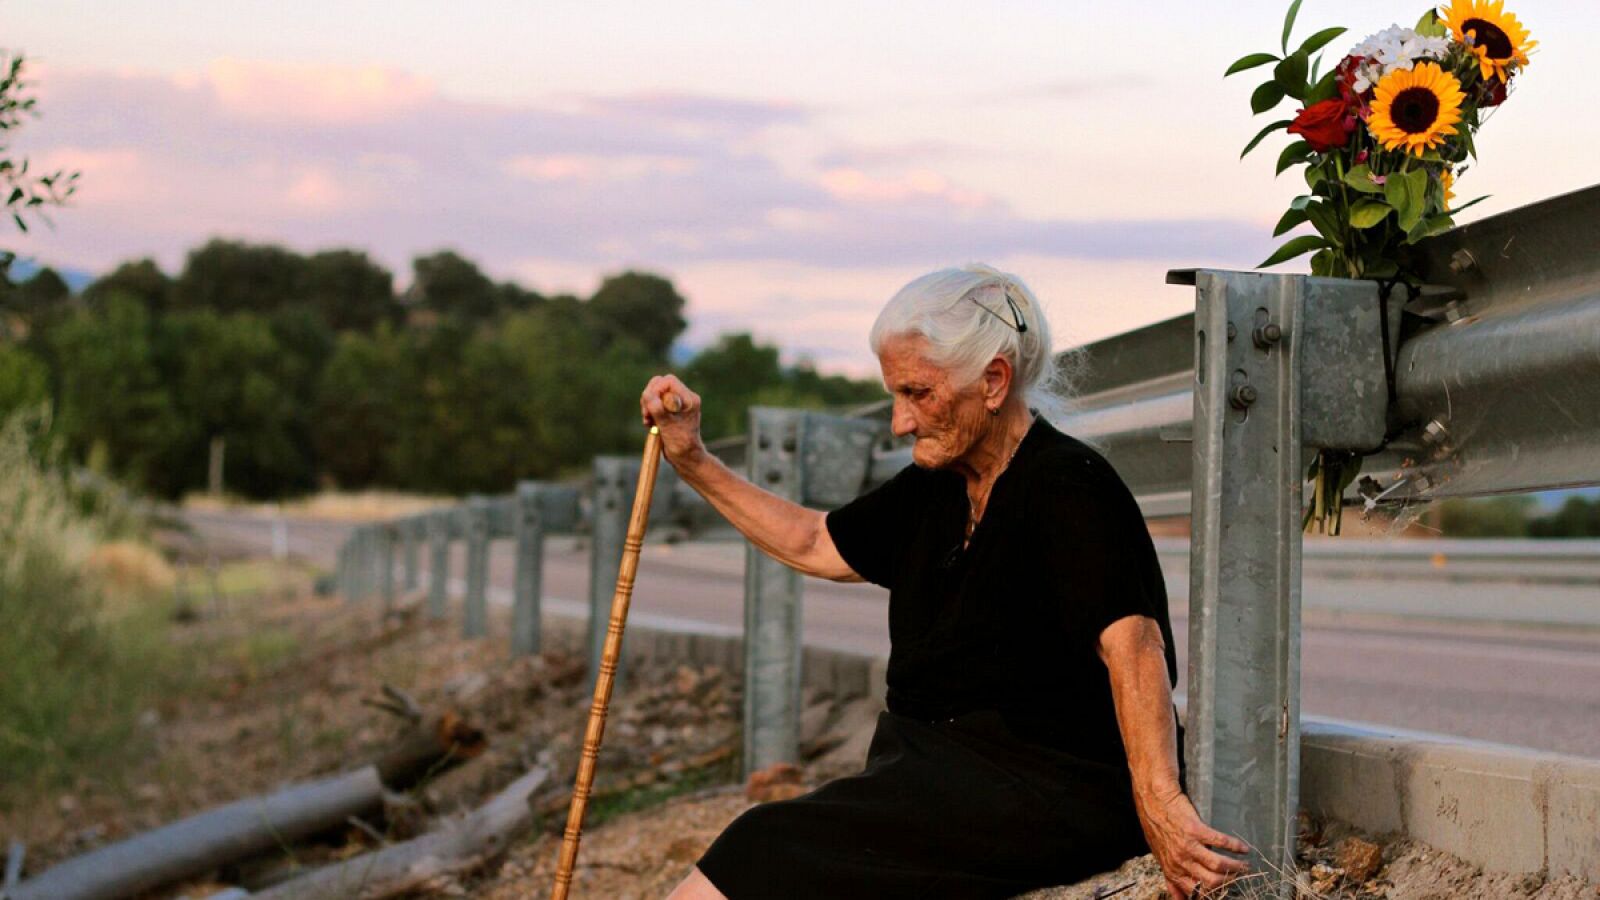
680	427
1182	844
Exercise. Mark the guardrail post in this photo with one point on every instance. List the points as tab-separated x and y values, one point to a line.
528	535
386	548
476	622
616	479
438	564
341	570
351	564
1243	739
772	602
409	529
363	563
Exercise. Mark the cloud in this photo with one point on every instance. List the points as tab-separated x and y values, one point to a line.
282	92
694	110
596	167
318	191
854	185
324	156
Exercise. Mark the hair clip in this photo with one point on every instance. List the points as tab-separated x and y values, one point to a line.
1019	325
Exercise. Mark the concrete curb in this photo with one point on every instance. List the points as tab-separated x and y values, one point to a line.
1504	808
1507	809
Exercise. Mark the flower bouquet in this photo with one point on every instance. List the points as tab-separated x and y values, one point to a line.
1383	135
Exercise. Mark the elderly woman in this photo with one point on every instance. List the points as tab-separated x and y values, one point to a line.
1030	737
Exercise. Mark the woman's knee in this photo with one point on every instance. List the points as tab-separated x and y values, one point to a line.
696	887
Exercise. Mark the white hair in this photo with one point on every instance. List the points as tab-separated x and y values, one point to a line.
969	316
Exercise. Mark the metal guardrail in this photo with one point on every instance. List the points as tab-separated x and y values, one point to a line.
1498	365
1567	561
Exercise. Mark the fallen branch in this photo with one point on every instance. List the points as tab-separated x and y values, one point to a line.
458	847
203	842
243	829
434	744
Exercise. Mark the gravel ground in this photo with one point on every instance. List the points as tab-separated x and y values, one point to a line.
666	786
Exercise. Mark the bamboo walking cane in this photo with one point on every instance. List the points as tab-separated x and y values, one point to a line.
609	655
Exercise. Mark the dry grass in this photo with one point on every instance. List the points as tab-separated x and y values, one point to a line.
330	506
129	570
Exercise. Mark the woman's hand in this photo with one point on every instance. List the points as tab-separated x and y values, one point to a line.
1134	652
1184	846
668	404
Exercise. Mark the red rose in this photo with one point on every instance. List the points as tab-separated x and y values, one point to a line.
1322	125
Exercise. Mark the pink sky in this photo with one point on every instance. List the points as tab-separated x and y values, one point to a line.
789	169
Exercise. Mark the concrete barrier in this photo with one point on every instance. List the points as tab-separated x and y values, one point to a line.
1507	809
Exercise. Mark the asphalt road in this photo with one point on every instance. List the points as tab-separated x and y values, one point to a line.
1531	685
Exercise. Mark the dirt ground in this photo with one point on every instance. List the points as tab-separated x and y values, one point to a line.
280	694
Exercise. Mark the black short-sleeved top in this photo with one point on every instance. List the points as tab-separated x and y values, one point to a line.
1010	623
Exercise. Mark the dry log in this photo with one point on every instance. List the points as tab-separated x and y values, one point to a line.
206	841
458	847
434	744
243	829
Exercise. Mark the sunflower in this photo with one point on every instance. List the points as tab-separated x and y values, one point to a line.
1495	37
1447	180
1415	108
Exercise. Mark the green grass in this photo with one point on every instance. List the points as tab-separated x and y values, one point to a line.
74	676
261	653
604	808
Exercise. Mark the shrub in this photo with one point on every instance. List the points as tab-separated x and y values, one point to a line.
74	674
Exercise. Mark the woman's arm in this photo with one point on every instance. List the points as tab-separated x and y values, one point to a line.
1135	655
788	532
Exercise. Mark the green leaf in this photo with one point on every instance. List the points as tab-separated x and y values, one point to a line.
1385	269
1249	62
1284	123
1291	75
1301	202
1297	152
1288	23
1470	203
1303	244
1319	40
1290	219
1322	264
1325	88
1367	213
1406	193
1430	26
1326	219
1360	178
1266	97
1429	227
1315	176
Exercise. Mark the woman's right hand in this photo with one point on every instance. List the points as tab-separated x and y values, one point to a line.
678	419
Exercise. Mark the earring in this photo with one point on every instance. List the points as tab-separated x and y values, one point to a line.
994	411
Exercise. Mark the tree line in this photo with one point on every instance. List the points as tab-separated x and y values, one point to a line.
310	371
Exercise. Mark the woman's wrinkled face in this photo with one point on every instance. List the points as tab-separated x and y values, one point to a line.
945	421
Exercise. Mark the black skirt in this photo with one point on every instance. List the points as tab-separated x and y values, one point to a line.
956	808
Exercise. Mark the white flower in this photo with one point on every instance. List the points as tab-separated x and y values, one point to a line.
1394	48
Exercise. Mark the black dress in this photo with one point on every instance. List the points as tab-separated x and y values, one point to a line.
999	766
